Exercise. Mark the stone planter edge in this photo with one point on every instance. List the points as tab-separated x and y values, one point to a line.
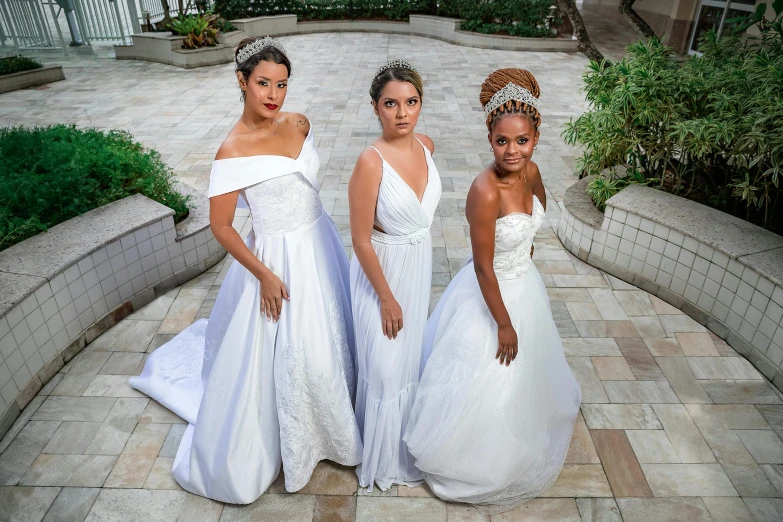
92	287
721	283
31	78
158	47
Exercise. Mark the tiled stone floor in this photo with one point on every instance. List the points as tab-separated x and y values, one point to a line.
674	426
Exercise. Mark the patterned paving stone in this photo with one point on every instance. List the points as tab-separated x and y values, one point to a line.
86	471
24	503
121	505
21	453
72	505
728	509
620	463
200	509
542	510
664	509
598	510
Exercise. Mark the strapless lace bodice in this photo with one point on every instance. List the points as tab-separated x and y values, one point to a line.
283	204
514	235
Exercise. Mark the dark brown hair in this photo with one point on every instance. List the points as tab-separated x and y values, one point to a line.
400	74
267	54
499	79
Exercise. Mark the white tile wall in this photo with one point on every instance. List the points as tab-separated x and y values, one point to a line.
733	293
46	322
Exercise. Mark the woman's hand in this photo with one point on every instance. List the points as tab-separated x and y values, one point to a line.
507	344
273	291
391	317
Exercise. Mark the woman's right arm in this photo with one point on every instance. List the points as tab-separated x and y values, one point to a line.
362	198
221	216
482	209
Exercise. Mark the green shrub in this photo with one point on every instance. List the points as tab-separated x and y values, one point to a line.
513	17
51	174
199	30
14	64
706	128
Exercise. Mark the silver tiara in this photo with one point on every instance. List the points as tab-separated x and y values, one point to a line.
256	47
391	64
511	91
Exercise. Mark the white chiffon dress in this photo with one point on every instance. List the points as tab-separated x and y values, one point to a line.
258	393
388	369
481	432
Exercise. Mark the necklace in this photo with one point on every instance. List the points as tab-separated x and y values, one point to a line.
524	178
259	128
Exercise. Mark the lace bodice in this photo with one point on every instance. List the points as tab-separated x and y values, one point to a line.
514	235
283	204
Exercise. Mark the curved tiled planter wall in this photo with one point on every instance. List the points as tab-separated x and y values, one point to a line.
724	272
166	48
31	78
61	289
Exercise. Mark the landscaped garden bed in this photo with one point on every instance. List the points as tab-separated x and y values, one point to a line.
681	192
524	18
707	128
20	72
51	174
92	227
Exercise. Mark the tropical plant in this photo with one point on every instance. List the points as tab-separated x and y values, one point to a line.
51	174
14	64
707	128
198	30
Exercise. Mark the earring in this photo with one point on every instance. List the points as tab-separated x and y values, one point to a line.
492	149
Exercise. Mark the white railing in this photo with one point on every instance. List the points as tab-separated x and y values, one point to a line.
35	24
30	25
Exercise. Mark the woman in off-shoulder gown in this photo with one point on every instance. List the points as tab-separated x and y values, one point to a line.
264	383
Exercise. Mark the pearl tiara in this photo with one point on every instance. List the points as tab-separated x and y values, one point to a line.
391	64
510	92
257	46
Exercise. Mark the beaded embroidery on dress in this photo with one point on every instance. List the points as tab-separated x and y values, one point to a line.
483	433
258	394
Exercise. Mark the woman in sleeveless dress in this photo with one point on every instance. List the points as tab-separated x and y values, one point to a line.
393	194
497	402
269	378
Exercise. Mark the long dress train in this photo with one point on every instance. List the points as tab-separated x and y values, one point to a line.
483	433
388	369
257	393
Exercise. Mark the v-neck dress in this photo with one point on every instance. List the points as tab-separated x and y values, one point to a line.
255	393
388	369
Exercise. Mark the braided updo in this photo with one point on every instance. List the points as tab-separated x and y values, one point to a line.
499	79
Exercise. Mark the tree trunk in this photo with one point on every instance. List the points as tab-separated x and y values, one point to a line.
166	13
568	8
638	23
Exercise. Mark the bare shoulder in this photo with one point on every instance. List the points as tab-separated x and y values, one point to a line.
230	148
534	173
298	121
483	191
427	142
369	160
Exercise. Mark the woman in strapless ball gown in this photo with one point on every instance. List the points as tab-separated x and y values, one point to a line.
269	379
497	402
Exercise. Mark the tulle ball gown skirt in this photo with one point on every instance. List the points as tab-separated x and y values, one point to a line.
267	393
483	433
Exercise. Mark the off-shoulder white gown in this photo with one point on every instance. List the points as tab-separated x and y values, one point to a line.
257	393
